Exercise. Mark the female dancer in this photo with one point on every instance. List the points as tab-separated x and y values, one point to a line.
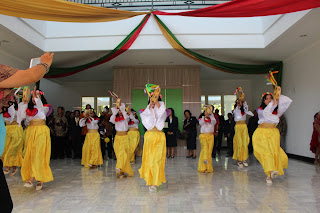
314	144
91	151
134	134
266	138
207	122
12	155
121	142
241	138
154	149
36	161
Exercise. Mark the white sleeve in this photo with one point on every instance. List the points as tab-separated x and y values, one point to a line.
82	122
201	120
136	121
267	113
213	120
39	105
237	113
148	118
161	115
246	109
283	104
114	111
12	112
94	121
22	107
124	113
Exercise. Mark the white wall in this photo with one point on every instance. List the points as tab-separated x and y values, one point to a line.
301	84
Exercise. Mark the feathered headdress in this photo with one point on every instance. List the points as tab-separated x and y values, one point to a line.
149	88
271	79
239	93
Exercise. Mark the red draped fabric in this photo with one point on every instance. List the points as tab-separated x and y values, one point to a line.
249	8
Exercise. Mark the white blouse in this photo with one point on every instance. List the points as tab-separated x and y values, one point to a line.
41	114
238	115
13	114
207	127
122	125
92	124
136	122
266	116
154	117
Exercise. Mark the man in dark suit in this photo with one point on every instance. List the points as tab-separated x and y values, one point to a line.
75	133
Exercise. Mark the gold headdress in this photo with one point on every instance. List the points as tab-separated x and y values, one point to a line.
271	80
239	93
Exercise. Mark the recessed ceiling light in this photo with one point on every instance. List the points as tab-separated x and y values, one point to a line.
301	36
170	62
140	63
5	41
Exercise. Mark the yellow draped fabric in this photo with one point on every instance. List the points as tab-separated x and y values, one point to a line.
91	150
266	146
60	10
134	139
207	143
122	150
240	142
153	158
12	153
36	162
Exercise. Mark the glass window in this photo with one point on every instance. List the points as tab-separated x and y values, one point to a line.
87	100
203	102
102	102
229	101
215	100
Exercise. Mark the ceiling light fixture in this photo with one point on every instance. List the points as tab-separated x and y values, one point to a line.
301	36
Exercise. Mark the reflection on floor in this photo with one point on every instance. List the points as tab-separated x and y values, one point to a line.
228	189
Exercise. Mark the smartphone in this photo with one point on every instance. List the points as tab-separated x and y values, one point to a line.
34	62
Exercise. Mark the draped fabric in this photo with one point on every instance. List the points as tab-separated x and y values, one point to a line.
60	10
121	48
219	65
249	8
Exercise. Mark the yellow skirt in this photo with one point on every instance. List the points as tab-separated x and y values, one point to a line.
36	162
122	150
12	153
266	146
134	139
240	142
207	143
91	151
153	158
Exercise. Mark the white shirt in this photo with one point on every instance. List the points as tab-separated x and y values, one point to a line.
93	124
122	125
154	117
265	115
136	122
238	115
41	114
207	127
13	114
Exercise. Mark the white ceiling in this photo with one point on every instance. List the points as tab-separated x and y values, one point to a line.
284	46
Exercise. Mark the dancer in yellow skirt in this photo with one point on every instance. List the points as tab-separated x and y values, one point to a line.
121	142
91	151
207	122
154	148
266	138
12	154
134	134
241	138
36	161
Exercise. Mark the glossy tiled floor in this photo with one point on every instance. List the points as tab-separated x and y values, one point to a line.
228	189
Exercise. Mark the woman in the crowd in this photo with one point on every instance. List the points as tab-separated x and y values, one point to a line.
36	162
91	151
266	139
154	148
190	128
171	133
241	138
133	133
314	144
207	122
12	154
120	119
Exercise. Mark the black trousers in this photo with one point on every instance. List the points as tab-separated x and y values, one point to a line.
217	144
110	147
6	204
103	147
230	145
53	147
